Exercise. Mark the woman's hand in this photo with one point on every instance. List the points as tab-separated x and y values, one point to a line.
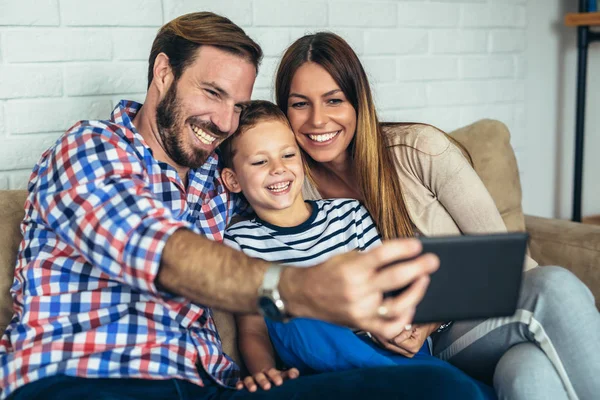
408	342
265	378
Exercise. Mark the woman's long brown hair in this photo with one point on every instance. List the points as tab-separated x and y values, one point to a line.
374	168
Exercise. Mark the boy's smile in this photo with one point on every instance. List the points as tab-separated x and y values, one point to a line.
268	169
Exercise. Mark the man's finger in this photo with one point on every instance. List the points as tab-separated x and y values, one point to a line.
409	298
391	251
403	273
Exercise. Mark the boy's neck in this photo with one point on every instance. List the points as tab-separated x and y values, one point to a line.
298	213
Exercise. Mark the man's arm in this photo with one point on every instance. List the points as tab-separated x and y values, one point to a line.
346	289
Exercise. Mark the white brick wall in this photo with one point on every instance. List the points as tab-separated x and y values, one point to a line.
446	62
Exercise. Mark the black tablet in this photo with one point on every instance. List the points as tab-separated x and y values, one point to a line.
479	277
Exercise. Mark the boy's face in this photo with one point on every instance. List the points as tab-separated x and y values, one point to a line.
268	167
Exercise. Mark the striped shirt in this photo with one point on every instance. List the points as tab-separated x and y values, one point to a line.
334	227
99	212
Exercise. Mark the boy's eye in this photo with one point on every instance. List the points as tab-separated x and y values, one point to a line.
289	155
261	162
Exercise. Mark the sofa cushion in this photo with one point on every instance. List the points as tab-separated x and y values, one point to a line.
488	143
11	214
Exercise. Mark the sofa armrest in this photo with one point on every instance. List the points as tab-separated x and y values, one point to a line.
569	244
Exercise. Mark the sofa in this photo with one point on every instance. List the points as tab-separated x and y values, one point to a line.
552	242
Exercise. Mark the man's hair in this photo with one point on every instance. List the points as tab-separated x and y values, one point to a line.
255	111
180	39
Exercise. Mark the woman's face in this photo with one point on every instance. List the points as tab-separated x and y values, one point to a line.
323	120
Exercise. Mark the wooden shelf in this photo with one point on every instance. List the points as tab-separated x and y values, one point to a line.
583	19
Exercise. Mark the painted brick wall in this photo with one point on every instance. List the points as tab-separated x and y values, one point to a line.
445	62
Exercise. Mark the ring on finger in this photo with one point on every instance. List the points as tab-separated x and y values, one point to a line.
382	311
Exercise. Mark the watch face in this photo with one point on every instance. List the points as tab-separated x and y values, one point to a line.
269	309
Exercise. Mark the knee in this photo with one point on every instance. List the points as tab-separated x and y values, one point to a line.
555	283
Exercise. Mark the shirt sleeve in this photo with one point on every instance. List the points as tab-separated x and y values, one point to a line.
93	193
229	240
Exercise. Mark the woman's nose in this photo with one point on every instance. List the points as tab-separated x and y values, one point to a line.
319	116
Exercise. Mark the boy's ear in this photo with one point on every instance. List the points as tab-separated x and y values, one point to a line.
230	180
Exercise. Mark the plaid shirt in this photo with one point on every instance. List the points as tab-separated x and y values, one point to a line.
99	212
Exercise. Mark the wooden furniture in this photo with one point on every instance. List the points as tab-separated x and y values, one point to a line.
582	20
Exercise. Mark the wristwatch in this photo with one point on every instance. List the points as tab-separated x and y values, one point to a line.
444	327
270	303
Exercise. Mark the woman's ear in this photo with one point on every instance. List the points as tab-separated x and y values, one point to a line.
230	180
162	74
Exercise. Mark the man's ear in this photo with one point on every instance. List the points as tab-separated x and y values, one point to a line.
163	74
230	180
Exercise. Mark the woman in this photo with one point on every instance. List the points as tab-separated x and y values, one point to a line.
416	180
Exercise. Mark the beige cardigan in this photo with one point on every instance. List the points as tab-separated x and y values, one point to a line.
443	193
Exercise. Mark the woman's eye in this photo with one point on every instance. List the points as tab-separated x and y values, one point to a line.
299	104
335	101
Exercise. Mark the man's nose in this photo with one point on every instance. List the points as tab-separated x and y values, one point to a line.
225	118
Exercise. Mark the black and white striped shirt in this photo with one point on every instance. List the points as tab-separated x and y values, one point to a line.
334	227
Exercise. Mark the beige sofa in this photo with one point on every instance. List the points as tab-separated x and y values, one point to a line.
553	242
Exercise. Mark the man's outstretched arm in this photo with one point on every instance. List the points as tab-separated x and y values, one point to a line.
347	289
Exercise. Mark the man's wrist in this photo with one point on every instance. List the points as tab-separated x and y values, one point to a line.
290	284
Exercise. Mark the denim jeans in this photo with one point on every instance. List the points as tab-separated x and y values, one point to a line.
395	382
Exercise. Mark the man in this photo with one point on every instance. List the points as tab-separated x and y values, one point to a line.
120	259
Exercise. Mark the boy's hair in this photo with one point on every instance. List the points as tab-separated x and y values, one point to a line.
255	111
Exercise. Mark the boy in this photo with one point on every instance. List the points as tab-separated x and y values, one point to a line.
263	161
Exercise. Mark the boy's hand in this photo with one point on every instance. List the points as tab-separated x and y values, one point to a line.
265	378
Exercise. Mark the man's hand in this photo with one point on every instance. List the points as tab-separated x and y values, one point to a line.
265	378
348	289
409	341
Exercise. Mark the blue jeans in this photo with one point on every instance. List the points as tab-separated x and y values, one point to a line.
315	346
396	382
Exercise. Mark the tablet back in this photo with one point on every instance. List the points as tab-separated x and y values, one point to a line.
479	277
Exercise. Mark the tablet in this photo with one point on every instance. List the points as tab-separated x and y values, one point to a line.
479	277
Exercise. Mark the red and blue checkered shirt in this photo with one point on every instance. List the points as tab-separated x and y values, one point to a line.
99	212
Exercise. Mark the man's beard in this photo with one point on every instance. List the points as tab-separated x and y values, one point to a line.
172	131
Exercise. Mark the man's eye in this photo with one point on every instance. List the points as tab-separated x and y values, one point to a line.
212	93
238	108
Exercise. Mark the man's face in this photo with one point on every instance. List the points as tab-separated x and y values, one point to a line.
202	108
